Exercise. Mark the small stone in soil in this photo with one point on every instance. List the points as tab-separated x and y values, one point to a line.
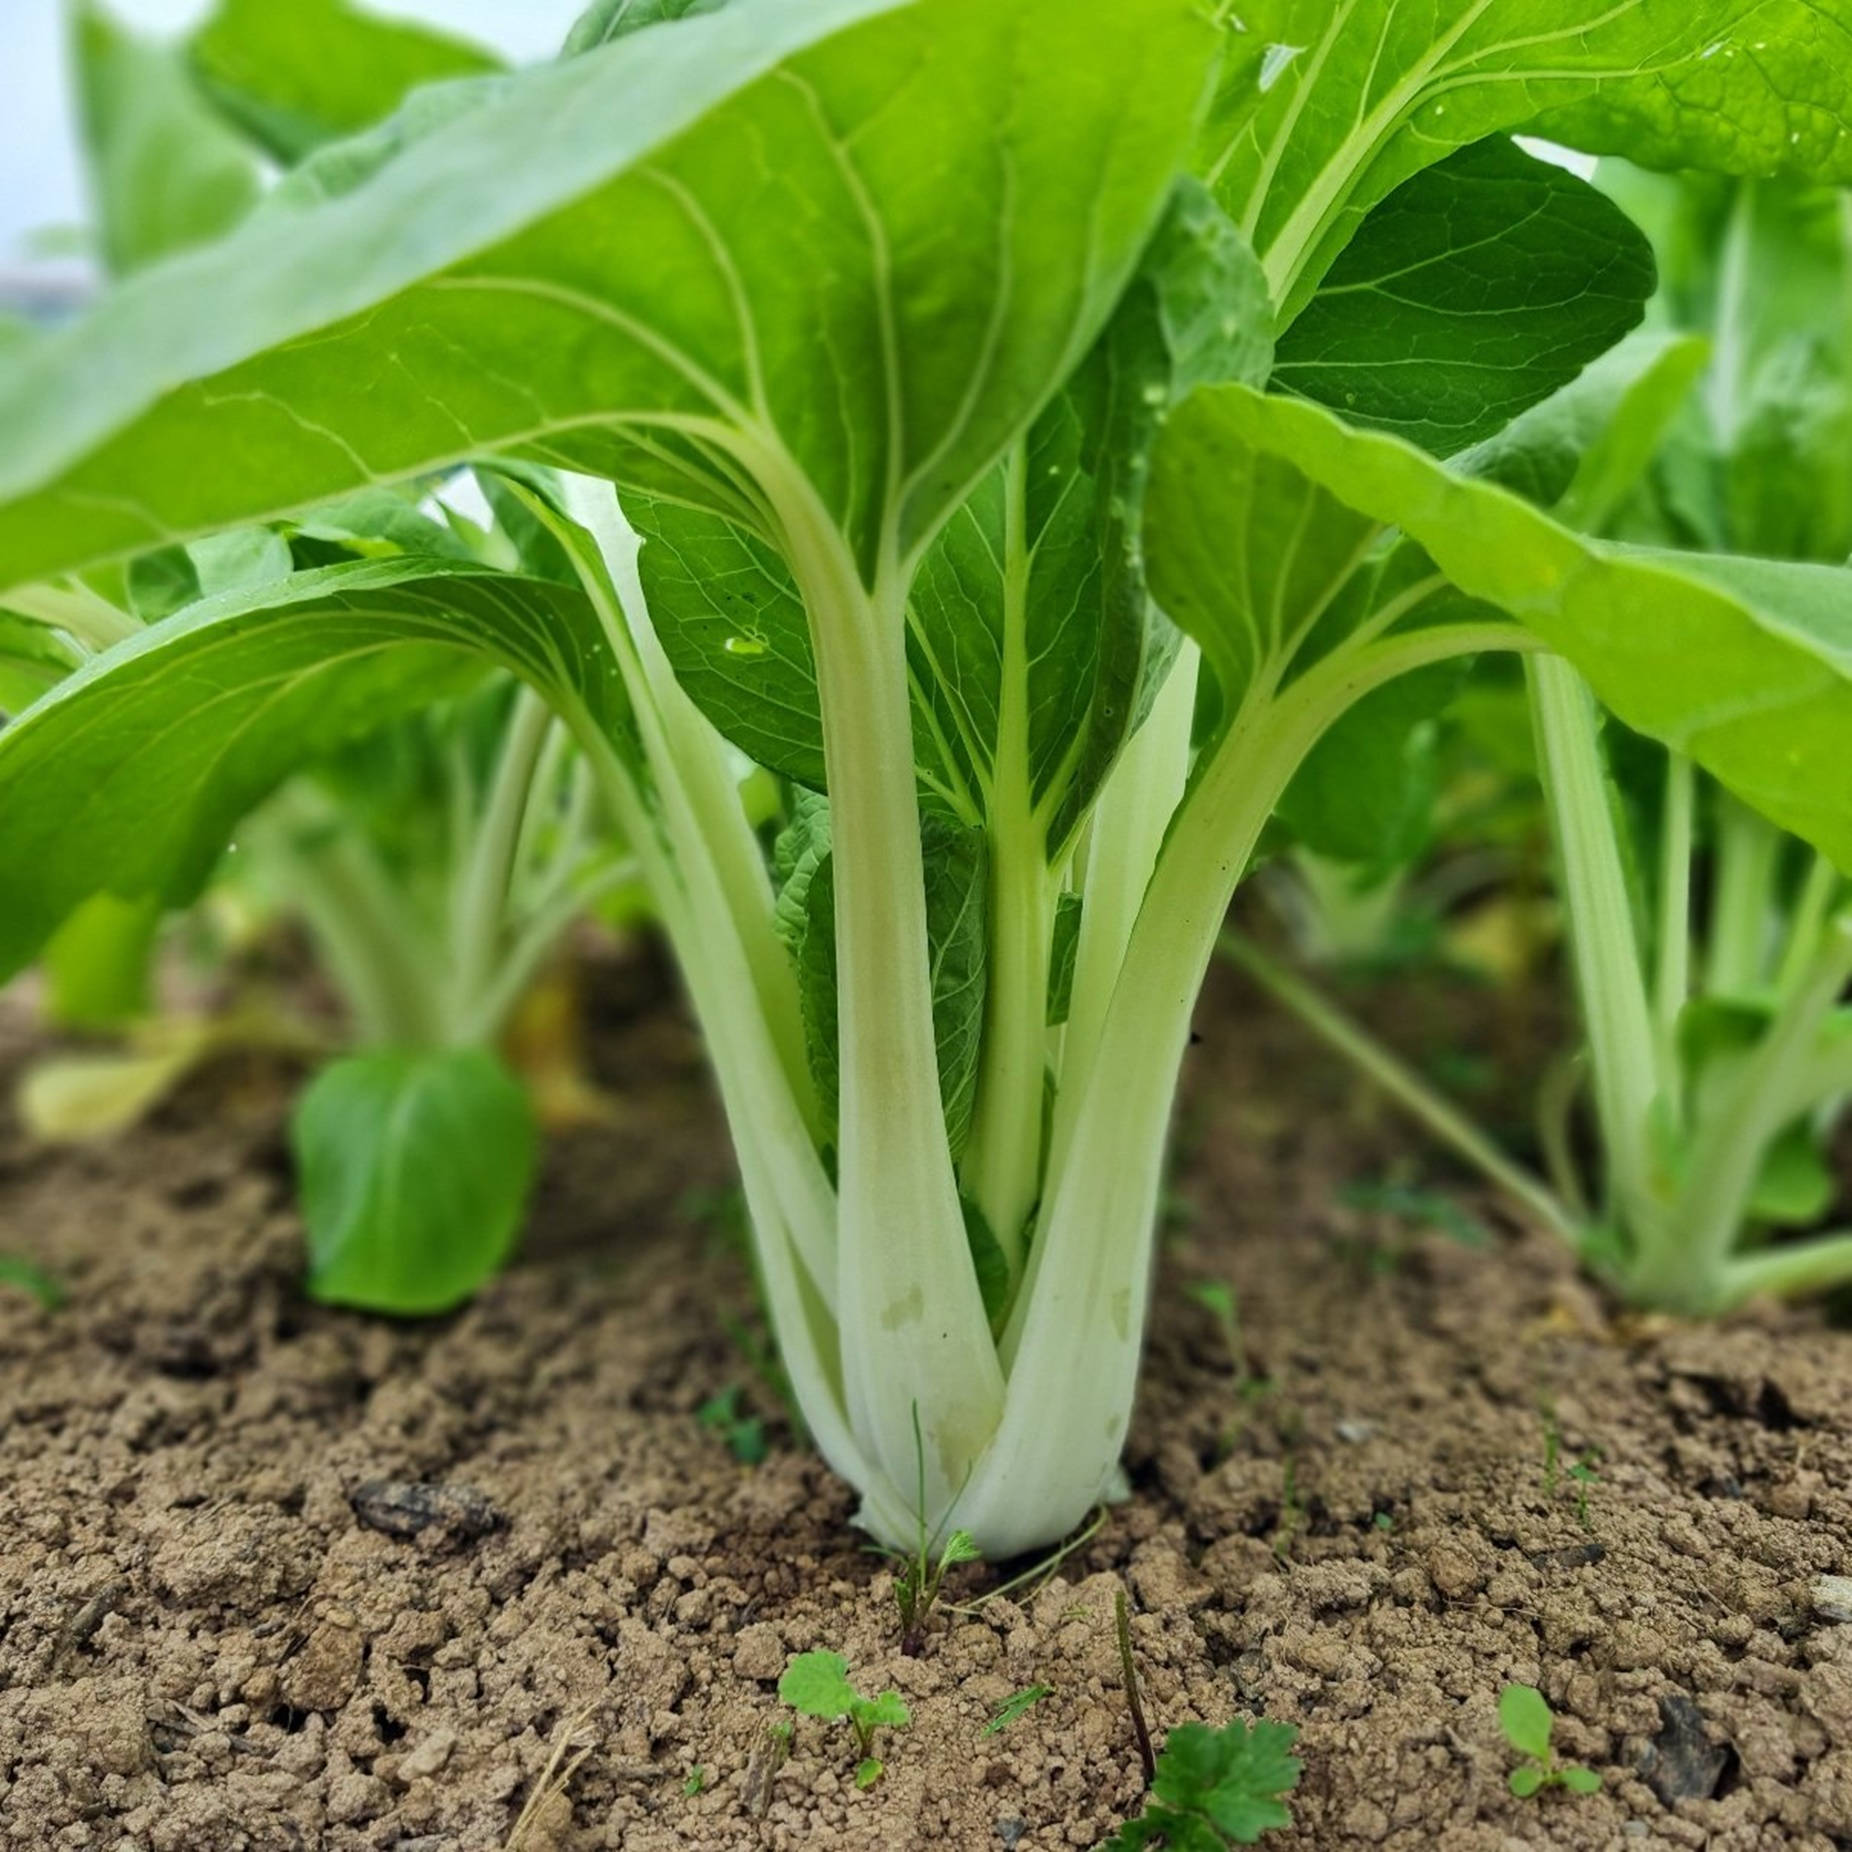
405	1508
1011	1831
1681	1763
1574	1556
1832	1599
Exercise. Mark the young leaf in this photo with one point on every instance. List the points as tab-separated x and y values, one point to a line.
1526	1780
414	1171
1580	1780
33	1281
1472	292
817	1684
1525	1718
299	75
165	173
1016	1705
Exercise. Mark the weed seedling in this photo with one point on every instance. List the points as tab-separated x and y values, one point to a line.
817	1685
922	1571
1525	1718
1014	1706
743	1433
1216	1788
1552	1450
1217	1298
696	1782
1584	1473
1292	1510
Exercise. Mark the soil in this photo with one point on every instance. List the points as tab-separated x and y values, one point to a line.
278	1576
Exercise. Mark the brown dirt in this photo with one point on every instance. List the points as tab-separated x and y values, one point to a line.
217	1630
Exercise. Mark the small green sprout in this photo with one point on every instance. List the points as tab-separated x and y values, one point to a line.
1525	1718
35	1282
1383	1521
918	1581
1216	1788
1552	1448
743	1433
1584	1473
696	1782
1017	1704
817	1684
1217	1298
1292	1510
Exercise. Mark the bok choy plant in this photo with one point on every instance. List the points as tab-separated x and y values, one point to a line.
1710	950
893	374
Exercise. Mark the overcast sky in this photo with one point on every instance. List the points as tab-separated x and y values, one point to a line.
40	183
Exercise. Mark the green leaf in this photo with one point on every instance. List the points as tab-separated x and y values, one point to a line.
1322	112
1764	94
1744	665
98	964
1586	448
605	20
1045	550
186	726
1474	291
1525	1781
817	1684
1016	1705
889	1710
165	173
414	1169
1525	1718
1215	1787
956	861
1365	792
33	1281
988	1261
299	75
1580	1780
32	659
591	265
1065	948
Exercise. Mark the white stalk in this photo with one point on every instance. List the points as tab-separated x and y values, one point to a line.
916	1345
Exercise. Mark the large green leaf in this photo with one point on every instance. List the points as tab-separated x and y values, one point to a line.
1744	665
415	1168
165	173
955	863
714	257
1036	581
132	773
1323	110
298	75
1475	290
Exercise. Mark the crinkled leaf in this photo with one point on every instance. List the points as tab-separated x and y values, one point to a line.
1217	1787
297	75
414	1170
1475	290
1323	111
